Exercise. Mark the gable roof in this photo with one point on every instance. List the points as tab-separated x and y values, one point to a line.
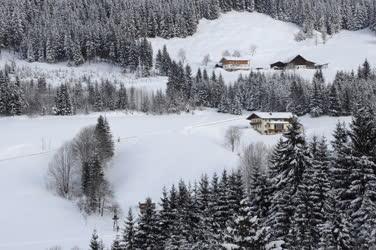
278	64
234	58
270	115
299	60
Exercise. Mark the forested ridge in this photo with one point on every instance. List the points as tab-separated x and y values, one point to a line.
76	31
186	91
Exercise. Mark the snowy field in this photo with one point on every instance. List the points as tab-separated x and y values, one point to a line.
153	151
274	41
59	73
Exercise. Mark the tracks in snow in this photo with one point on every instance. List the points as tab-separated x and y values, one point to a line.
127	139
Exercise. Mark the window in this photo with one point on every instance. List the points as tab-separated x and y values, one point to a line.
279	126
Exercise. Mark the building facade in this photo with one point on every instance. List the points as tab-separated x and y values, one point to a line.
235	63
297	62
270	123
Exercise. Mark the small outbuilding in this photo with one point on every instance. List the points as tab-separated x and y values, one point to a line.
268	123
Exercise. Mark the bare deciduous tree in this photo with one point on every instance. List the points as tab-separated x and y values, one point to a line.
206	60
253	159
226	53
253	49
232	137
83	144
61	170
236	53
182	55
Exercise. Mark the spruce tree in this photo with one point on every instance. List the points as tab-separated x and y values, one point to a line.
147	231
95	243
286	176
341	165
317	106
245	231
334	108
103	136
63	104
362	189
129	232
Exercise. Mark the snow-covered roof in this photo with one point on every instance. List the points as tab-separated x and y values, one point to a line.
234	58
278	122
272	115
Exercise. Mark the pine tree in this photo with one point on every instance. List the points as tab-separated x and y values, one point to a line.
116	245
300	233
166	62
259	194
224	103
298	103
222	210
286	176
147	231
335	232
95	243
341	165
362	189
245	231
63	104
164	216
317	102
215	227
334	108
365	71
319	186
129	232
4	93
206	235
104	139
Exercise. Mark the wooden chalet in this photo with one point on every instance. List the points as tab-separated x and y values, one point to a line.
234	63
143	205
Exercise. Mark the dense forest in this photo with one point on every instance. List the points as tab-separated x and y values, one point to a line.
185	92
301	194
76	31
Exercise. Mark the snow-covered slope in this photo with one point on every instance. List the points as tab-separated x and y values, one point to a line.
153	150
59	73
274	41
165	148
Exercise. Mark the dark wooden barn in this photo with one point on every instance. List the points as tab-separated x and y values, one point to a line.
301	62
278	65
297	62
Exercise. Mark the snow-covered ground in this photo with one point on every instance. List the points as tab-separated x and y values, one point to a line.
59	73
153	151
274	41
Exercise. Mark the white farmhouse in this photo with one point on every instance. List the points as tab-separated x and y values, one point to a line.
270	123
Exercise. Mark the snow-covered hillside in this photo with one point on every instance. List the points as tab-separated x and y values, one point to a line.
153	151
274	41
